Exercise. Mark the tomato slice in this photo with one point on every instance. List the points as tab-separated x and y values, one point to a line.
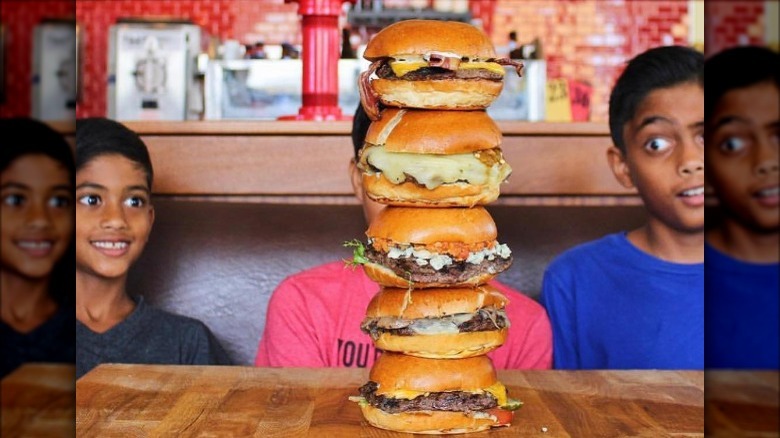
504	417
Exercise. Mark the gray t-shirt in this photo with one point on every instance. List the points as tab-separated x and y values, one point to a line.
148	336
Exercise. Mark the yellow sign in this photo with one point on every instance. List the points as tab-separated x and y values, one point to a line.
557	102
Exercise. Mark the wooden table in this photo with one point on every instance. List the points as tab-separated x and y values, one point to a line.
149	400
37	401
742	403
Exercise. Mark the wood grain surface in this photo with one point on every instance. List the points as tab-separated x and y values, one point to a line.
147	400
742	403
38	401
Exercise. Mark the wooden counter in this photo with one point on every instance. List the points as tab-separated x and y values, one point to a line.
145	400
554	163
743	403
38	401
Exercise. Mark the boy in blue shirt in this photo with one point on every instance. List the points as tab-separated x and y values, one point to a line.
742	118
635	300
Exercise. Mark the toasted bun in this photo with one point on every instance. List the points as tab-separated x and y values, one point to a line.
444	346
386	277
445	94
433	303
393	371
430	225
417	37
409	194
436	303
434	132
427	422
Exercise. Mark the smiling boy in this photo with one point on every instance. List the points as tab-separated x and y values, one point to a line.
635	299
114	217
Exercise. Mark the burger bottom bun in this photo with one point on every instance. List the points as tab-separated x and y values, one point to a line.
426	422
409	194
444	346
452	94
386	277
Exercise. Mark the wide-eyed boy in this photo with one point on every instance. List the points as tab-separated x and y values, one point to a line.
636	299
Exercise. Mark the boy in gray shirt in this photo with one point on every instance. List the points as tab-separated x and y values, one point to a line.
114	217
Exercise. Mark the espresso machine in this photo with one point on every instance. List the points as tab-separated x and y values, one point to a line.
55	70
152	71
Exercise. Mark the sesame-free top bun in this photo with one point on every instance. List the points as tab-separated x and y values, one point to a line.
437	303
429	225
417	37
433	303
393	371
434	131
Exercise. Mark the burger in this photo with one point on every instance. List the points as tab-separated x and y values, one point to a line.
433	65
412	394
430	158
437	323
432	247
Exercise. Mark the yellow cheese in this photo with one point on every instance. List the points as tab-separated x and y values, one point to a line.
401	68
498	390
492	66
434	170
402	393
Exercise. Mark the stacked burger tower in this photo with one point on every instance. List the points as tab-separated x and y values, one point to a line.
432	154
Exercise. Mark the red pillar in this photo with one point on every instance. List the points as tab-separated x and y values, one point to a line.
320	57
484	10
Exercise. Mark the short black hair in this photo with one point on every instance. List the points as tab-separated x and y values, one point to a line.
360	124
660	67
97	136
738	67
25	136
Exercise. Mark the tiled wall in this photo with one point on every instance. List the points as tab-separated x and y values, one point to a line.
584	40
732	23
216	18
19	18
590	41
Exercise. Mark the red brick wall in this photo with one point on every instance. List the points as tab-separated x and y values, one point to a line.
590	41
733	23
582	40
19	19
214	16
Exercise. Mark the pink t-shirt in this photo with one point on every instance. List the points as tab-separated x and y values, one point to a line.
314	317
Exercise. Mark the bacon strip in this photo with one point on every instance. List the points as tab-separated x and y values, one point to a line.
516	64
368	97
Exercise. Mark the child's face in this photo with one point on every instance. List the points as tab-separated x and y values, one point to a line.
36	213
113	216
664	156
742	153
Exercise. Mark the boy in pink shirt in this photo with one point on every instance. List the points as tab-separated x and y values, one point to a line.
313	318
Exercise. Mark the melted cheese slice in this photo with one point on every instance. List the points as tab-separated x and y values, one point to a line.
435	170
401	68
498	390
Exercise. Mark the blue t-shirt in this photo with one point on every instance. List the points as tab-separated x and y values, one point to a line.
613	306
742	310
